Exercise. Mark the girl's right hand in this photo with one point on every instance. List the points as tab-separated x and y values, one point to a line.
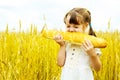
59	39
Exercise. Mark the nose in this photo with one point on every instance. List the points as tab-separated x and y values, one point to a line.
71	29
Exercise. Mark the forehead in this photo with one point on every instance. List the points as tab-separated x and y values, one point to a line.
73	18
67	22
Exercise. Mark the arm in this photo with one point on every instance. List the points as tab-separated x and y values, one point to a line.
61	56
62	52
94	58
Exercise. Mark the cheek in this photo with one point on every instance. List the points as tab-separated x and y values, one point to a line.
67	29
79	30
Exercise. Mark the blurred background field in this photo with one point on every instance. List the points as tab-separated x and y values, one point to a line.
28	56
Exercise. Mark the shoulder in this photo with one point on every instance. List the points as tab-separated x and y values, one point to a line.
68	46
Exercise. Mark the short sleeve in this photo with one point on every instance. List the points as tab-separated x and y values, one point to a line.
98	51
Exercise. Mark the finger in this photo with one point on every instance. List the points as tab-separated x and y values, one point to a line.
84	46
89	44
56	37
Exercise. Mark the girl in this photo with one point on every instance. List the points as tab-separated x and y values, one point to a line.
77	61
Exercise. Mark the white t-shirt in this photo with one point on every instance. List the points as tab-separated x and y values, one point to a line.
77	64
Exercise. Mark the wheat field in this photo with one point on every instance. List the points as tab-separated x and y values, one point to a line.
28	56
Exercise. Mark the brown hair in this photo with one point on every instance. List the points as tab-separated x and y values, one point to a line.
80	16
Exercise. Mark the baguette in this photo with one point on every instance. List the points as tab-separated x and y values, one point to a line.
75	37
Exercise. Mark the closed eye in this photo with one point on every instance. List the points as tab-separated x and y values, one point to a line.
75	27
68	26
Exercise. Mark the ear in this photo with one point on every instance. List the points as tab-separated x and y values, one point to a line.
86	24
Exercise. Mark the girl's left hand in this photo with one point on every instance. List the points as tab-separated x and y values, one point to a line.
88	47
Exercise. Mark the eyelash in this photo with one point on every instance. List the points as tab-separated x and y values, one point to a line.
76	27
68	26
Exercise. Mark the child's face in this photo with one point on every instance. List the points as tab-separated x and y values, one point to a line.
73	27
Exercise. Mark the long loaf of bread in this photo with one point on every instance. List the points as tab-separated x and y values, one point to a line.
76	37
